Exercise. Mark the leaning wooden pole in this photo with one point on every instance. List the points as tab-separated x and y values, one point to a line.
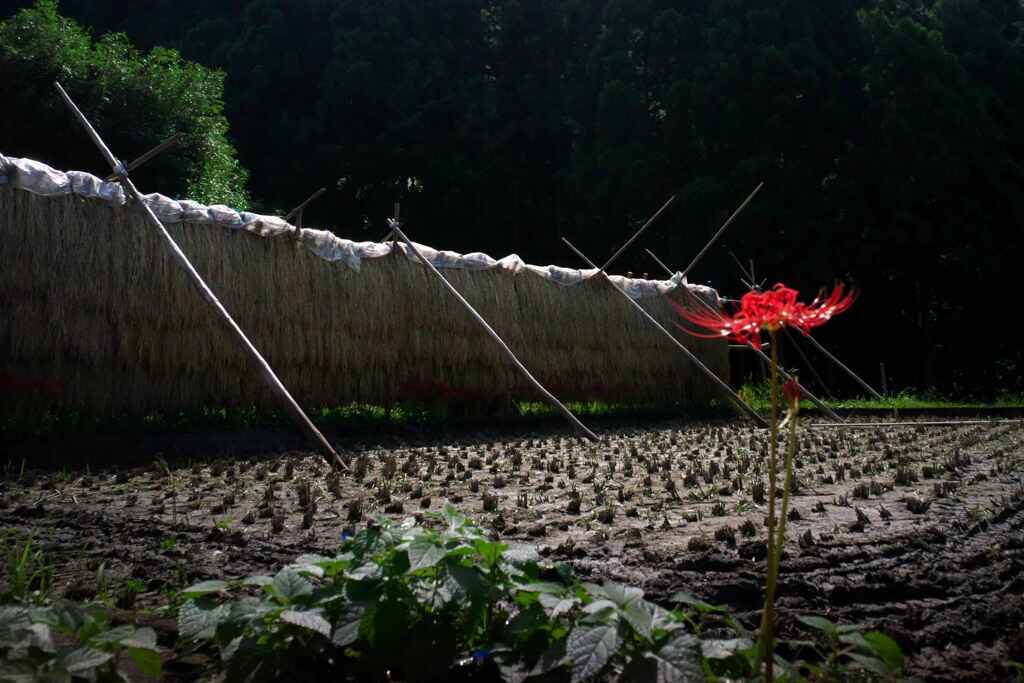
279	389
828	354
832	415
639	232
722	229
750	412
573	420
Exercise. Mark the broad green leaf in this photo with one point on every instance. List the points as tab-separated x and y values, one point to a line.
204	588
677	661
346	631
424	552
699	605
542	587
820	623
14	616
601	610
311	620
680	659
886	648
525	624
114	635
632	606
555	606
662	621
307	568
199	621
723	649
470	580
590	648
147	660
18	672
455	519
143	638
288	585
84	660
520	554
229	650
857	640
259	581
490	551
872	664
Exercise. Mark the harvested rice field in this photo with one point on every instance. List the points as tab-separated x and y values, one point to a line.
917	531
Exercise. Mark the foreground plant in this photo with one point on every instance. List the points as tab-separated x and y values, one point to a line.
64	641
405	602
758	312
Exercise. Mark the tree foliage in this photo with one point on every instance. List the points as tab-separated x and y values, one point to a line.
135	100
887	131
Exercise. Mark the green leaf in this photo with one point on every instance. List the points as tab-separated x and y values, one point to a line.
590	648
525	624
632	606
886	648
259	581
147	660
205	588
289	584
18	672
469	580
699	605
601	610
199	621
723	649
84	660
520	554
424	552
820	623
872	664
114	635
542	587
311	620
490	551
677	661
555	606
455	519
346	631
142	638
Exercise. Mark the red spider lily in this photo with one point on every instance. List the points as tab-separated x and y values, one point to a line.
768	310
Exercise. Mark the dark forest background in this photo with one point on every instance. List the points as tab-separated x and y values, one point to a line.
889	133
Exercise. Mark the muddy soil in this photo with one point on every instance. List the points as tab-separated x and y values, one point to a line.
917	531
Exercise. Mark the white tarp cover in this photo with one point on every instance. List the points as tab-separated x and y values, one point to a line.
40	179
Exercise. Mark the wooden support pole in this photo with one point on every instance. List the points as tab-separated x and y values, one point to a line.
638	233
580	427
832	415
278	388
298	209
848	371
718	234
166	144
750	412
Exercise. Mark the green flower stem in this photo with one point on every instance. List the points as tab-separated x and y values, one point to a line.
787	487
767	615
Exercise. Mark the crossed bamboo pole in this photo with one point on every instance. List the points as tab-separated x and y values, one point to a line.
803	390
293	408
396	231
750	412
828	354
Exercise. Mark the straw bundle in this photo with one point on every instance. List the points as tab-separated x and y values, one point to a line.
89	299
